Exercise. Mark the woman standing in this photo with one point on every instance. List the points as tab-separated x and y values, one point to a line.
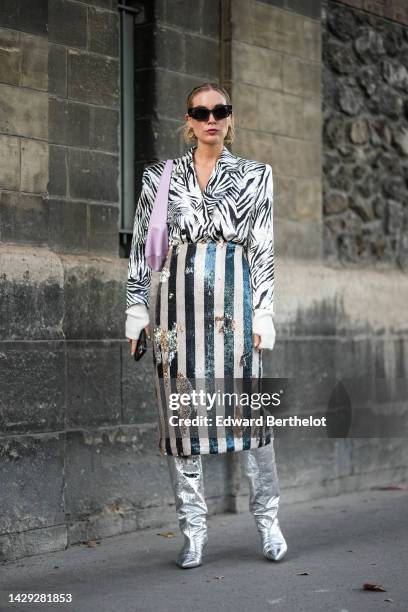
213	315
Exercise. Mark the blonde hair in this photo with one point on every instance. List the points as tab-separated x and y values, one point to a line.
188	133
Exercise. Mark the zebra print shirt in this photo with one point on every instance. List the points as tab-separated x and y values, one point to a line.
236	206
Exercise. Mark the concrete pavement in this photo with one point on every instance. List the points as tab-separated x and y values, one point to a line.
341	542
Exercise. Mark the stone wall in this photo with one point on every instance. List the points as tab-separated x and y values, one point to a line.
334	321
78	455
365	137
62	283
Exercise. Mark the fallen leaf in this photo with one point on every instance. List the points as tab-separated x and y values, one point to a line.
388	599
303	574
370	586
166	534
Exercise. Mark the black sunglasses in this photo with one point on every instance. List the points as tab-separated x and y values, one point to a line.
202	113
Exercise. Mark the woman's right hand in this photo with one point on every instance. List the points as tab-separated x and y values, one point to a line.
133	343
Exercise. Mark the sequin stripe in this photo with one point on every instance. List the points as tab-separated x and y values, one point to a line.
165	337
228	325
182	382
189	315
160	387
172	327
247	355
200	272
209	282
219	283
238	342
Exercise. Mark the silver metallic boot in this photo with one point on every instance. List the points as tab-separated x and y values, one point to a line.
260	467
186	475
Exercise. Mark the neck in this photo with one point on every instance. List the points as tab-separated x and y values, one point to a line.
207	153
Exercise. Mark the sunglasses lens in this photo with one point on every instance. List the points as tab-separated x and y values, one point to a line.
201	113
220	112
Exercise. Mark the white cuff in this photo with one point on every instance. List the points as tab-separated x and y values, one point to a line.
262	324
137	318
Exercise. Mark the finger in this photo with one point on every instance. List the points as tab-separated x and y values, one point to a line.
257	341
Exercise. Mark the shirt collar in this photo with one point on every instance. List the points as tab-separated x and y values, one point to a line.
226	159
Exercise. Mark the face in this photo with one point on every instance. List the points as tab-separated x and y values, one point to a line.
209	99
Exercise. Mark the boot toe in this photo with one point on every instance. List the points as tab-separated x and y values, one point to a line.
275	551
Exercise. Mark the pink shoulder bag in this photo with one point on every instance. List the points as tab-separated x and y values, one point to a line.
157	241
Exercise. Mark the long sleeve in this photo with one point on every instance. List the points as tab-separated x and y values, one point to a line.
139	273
260	244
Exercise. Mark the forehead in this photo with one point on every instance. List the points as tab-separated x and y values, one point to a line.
206	98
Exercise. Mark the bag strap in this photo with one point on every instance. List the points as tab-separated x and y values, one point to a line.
159	212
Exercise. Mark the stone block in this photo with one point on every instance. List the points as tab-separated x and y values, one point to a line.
138	399
238	22
123	458
10	57
211	18
103	32
104	129
57	70
67	230
277	29
185	20
93	175
171	53
256	66
23	112
93	78
281	113
202	56
9	163
31	17
34	166
312	49
171	88
67	23
298	239
34	64
105	288
246	105
33	465
32	374
68	122
93	384
57	180
33	542
23	218
289	157
312	119
103	229
30	310
300	77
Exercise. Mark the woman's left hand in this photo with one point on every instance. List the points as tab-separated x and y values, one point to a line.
257	341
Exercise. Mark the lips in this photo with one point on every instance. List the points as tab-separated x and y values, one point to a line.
212	131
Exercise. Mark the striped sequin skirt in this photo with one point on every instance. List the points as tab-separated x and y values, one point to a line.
205	365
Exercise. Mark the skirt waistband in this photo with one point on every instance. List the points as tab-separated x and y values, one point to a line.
221	244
